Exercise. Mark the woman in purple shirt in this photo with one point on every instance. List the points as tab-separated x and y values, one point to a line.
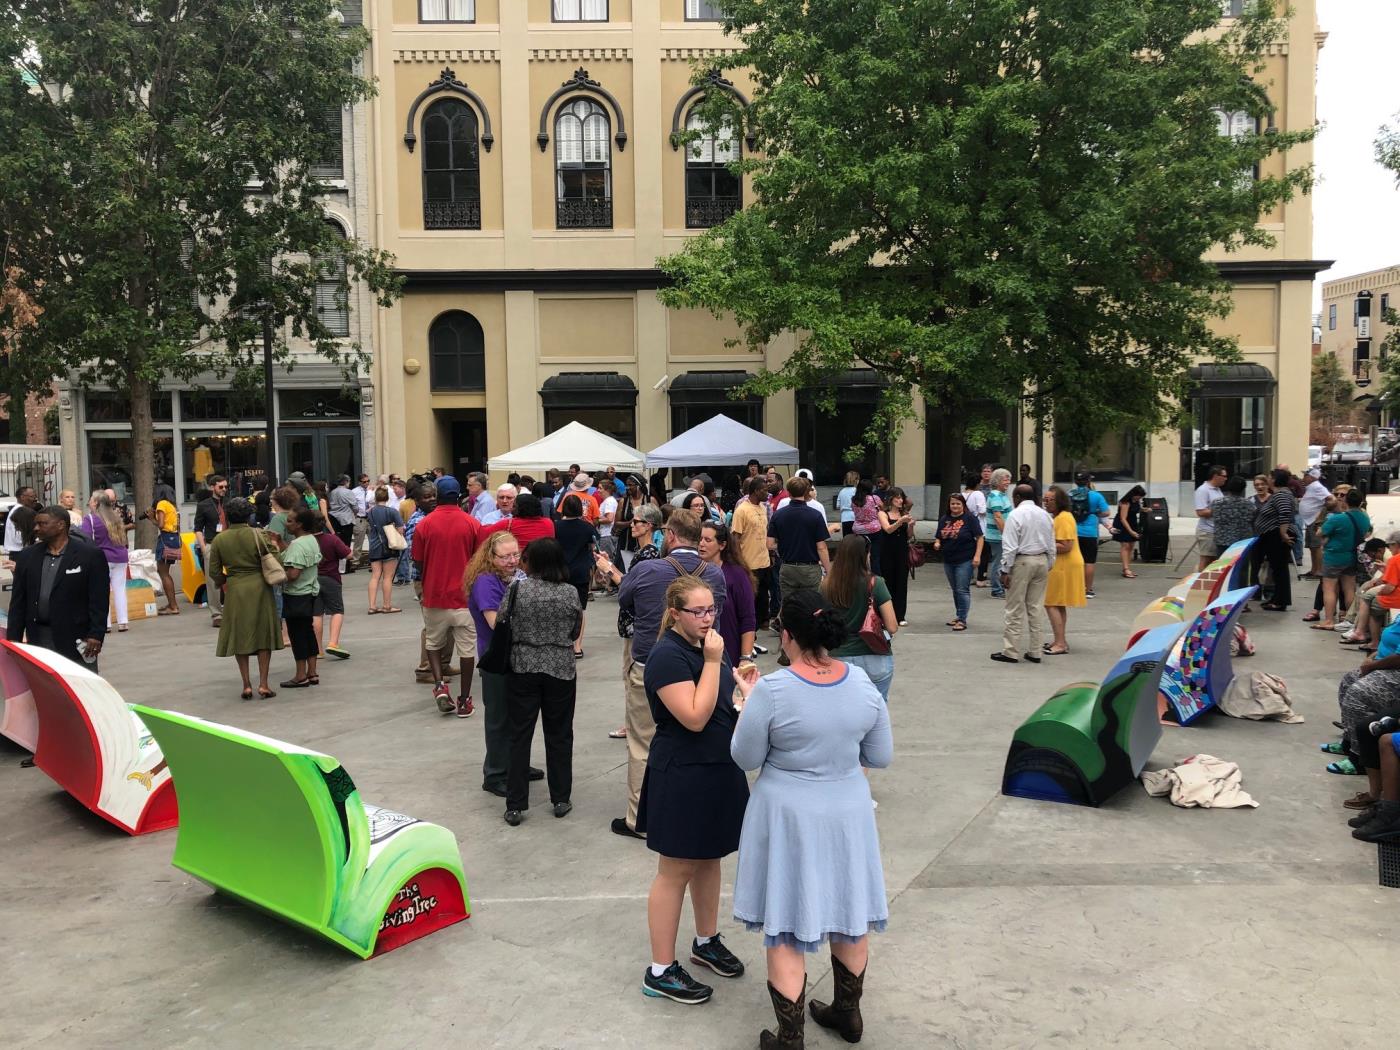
104	524
737	620
493	567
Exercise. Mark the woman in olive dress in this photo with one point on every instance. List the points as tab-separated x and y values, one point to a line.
250	623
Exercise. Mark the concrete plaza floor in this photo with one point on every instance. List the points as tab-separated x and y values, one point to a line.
1013	923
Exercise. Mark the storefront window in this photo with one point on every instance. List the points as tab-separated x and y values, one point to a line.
100	406
110	466
241	458
1117	457
999	452
1231	431
199	405
620	423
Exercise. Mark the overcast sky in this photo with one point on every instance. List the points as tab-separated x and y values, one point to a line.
1356	205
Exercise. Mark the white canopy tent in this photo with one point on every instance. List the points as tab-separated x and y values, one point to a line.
574	443
720	441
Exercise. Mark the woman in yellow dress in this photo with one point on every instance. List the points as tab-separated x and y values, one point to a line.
1064	590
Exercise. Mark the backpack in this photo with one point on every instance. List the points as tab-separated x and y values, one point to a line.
1079	504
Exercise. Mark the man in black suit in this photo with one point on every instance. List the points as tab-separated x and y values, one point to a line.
61	591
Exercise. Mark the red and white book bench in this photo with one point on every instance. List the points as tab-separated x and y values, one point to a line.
86	738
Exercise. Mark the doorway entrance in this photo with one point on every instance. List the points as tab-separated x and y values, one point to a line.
321	453
461	433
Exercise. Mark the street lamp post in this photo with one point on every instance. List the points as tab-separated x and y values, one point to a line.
269	408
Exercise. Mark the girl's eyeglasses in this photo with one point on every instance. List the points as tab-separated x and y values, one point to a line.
700	614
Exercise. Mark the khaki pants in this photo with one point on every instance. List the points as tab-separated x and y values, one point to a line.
1025	605
796	578
359	538
640	730
212	594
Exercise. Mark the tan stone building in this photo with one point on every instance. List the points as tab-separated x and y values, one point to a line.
1354	331
526	177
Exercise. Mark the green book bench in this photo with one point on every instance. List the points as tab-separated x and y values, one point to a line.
283	829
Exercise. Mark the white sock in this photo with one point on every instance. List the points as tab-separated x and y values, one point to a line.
657	969
702	941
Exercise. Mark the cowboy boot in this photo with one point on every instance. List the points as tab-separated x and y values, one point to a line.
791	1022
843	1015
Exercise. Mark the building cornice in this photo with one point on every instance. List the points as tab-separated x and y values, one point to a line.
585	280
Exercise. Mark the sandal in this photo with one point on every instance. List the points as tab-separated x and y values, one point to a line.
1350	639
618	734
247	693
373	610
296	683
1346	768
266	694
1312	617
1271	607
391	609
1332	748
1056	652
169	612
959	626
1323	627
1130	576
950	623
313	679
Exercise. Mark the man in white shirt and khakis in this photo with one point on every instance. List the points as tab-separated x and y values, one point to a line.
1027	552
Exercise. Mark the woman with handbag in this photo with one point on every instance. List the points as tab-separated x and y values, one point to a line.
540	618
959	538
168	552
300	561
896	553
861	601
385	542
249	626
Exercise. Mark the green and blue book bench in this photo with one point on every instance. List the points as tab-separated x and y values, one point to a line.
1090	740
284	829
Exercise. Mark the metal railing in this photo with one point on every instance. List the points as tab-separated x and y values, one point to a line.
703	212
451	215
587	214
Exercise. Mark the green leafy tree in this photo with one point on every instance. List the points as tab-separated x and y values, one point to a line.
1003	199
1332	394
157	188
1388	148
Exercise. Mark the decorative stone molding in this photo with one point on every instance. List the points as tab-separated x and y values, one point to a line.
714	81
446	54
580	54
449	83
581	84
690	54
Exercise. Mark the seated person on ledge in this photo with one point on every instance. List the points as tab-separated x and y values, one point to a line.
1383	819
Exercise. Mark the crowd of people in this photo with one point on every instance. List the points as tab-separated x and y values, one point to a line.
702	577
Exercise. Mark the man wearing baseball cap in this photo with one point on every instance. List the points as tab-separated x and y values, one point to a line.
443	544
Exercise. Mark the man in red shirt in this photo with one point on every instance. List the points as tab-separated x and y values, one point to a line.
443	544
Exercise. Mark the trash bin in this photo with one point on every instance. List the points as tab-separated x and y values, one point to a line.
1361	475
1155	527
1334	474
1380	480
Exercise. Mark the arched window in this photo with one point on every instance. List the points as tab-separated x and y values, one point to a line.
1237	125
333	292
457	352
712	191
451	167
583	167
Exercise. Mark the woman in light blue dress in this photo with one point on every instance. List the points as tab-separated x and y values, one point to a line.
809	856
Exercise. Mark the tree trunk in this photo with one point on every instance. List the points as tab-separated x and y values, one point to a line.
19	432
143	456
950	453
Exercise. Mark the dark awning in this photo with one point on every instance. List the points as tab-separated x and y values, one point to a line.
709	388
858	385
588	390
1247	380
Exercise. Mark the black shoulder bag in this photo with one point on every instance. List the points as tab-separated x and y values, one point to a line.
496	659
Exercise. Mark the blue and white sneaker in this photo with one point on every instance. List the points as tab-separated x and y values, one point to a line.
677	985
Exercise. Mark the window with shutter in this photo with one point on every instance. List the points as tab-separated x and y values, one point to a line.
331	164
712	191
333	294
187	264
583	166
580	10
447	10
704	11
